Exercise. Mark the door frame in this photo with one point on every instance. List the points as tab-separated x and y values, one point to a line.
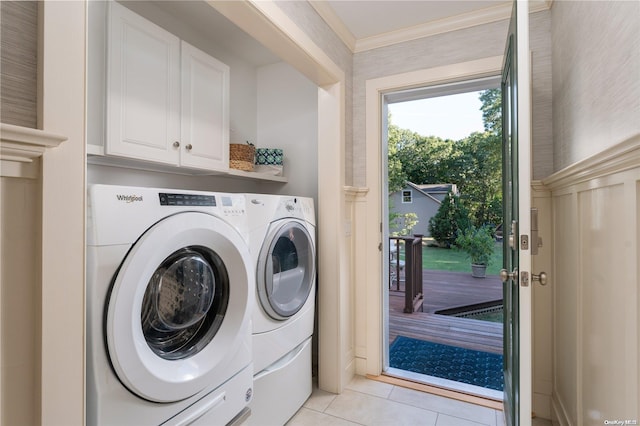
376	296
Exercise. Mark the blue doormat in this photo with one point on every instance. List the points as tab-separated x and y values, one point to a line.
447	362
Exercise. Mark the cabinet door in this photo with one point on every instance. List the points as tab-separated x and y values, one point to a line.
143	89
205	111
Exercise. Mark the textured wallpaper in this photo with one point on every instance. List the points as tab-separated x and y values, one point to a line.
596	77
19	62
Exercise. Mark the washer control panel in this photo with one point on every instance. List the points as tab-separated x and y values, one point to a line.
167	199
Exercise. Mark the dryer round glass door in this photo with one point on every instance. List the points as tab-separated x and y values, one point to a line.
179	307
286	269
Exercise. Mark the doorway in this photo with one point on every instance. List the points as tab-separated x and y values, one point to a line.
442	157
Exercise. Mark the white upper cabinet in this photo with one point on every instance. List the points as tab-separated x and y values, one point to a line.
167	102
204	130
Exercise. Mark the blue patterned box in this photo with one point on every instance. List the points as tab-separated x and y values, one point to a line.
269	156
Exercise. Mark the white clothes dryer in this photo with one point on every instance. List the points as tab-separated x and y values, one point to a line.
282	245
170	288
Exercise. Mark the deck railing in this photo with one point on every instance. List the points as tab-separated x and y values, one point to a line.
405	253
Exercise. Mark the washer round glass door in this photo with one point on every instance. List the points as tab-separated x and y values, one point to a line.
286	269
185	302
179	307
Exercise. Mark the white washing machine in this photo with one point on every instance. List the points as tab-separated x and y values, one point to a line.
170	290
282	244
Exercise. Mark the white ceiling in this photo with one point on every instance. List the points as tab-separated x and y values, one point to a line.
371	18
367	24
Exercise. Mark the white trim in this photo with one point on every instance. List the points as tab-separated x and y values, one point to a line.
410	196
440	26
615	159
375	89
444	74
20	147
61	70
427	29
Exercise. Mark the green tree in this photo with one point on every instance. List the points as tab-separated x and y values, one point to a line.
481	185
474	163
492	110
397	138
452	217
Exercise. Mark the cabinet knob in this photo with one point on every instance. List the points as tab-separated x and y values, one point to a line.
189	147
176	144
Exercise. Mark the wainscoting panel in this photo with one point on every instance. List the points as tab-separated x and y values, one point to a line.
542	314
596	288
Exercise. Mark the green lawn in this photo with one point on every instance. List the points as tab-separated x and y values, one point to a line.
443	259
455	260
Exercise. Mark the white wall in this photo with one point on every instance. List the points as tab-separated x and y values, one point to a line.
317	29
288	119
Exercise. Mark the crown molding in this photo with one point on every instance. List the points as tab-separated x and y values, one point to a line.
454	23
440	26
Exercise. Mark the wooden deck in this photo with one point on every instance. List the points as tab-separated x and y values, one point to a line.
445	290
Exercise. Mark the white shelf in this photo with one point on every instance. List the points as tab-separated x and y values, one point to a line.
95	155
257	176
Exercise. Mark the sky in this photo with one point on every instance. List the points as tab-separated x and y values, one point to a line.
448	117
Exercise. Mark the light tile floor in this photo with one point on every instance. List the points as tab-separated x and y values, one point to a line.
369	402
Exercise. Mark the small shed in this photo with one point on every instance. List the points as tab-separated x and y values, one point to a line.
423	200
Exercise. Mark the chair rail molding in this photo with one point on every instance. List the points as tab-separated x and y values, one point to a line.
20	147
352	193
620	157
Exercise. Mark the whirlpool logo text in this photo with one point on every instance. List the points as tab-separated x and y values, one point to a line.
129	198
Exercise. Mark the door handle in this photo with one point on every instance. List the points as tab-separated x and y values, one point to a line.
541	278
506	276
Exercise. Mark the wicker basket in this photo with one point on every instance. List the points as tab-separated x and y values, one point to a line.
242	156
